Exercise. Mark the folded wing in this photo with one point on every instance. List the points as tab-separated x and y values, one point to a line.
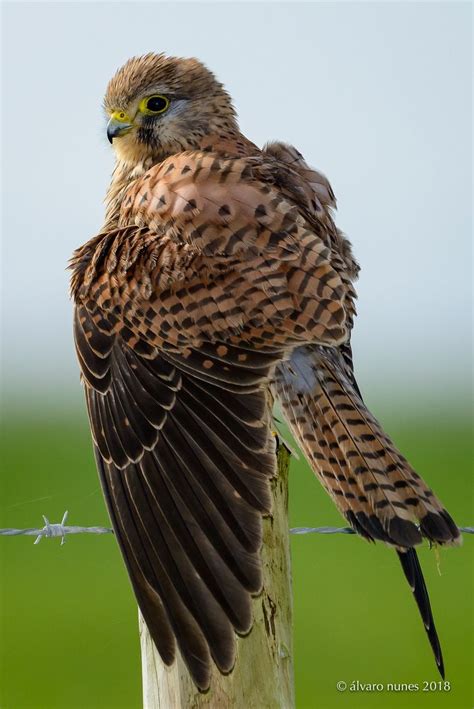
185	457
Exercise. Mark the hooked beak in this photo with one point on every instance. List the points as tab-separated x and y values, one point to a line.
118	125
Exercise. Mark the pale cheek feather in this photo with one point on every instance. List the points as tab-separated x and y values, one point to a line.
129	150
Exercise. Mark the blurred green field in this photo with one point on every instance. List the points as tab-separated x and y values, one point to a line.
69	621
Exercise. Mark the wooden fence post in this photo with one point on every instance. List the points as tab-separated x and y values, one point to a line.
263	673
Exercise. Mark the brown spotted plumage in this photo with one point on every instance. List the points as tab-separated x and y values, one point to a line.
219	281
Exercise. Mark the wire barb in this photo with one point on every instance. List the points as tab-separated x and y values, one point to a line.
55	530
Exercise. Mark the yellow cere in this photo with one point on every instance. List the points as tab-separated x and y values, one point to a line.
121	117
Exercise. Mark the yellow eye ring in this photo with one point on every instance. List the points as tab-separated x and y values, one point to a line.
154	105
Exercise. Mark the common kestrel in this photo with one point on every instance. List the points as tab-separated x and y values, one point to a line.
219	282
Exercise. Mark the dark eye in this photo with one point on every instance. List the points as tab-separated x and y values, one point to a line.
155	104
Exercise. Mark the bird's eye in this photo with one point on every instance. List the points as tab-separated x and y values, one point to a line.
153	105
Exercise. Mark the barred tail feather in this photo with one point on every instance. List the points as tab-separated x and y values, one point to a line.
371	483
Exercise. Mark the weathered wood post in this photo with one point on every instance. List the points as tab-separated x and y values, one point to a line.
263	674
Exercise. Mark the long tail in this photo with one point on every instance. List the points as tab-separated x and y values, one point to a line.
371	483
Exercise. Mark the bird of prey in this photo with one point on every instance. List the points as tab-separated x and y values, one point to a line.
219	283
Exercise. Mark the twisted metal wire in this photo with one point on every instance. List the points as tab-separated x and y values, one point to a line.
62	530
347	530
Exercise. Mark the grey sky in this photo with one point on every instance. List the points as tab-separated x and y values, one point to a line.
377	95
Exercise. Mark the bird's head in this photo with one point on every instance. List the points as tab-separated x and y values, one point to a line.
157	106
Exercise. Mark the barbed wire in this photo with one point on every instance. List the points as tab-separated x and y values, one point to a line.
54	530
62	530
347	530
322	530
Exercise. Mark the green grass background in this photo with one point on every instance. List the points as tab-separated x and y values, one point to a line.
69	635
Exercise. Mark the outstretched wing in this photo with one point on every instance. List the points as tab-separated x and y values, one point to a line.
185	457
